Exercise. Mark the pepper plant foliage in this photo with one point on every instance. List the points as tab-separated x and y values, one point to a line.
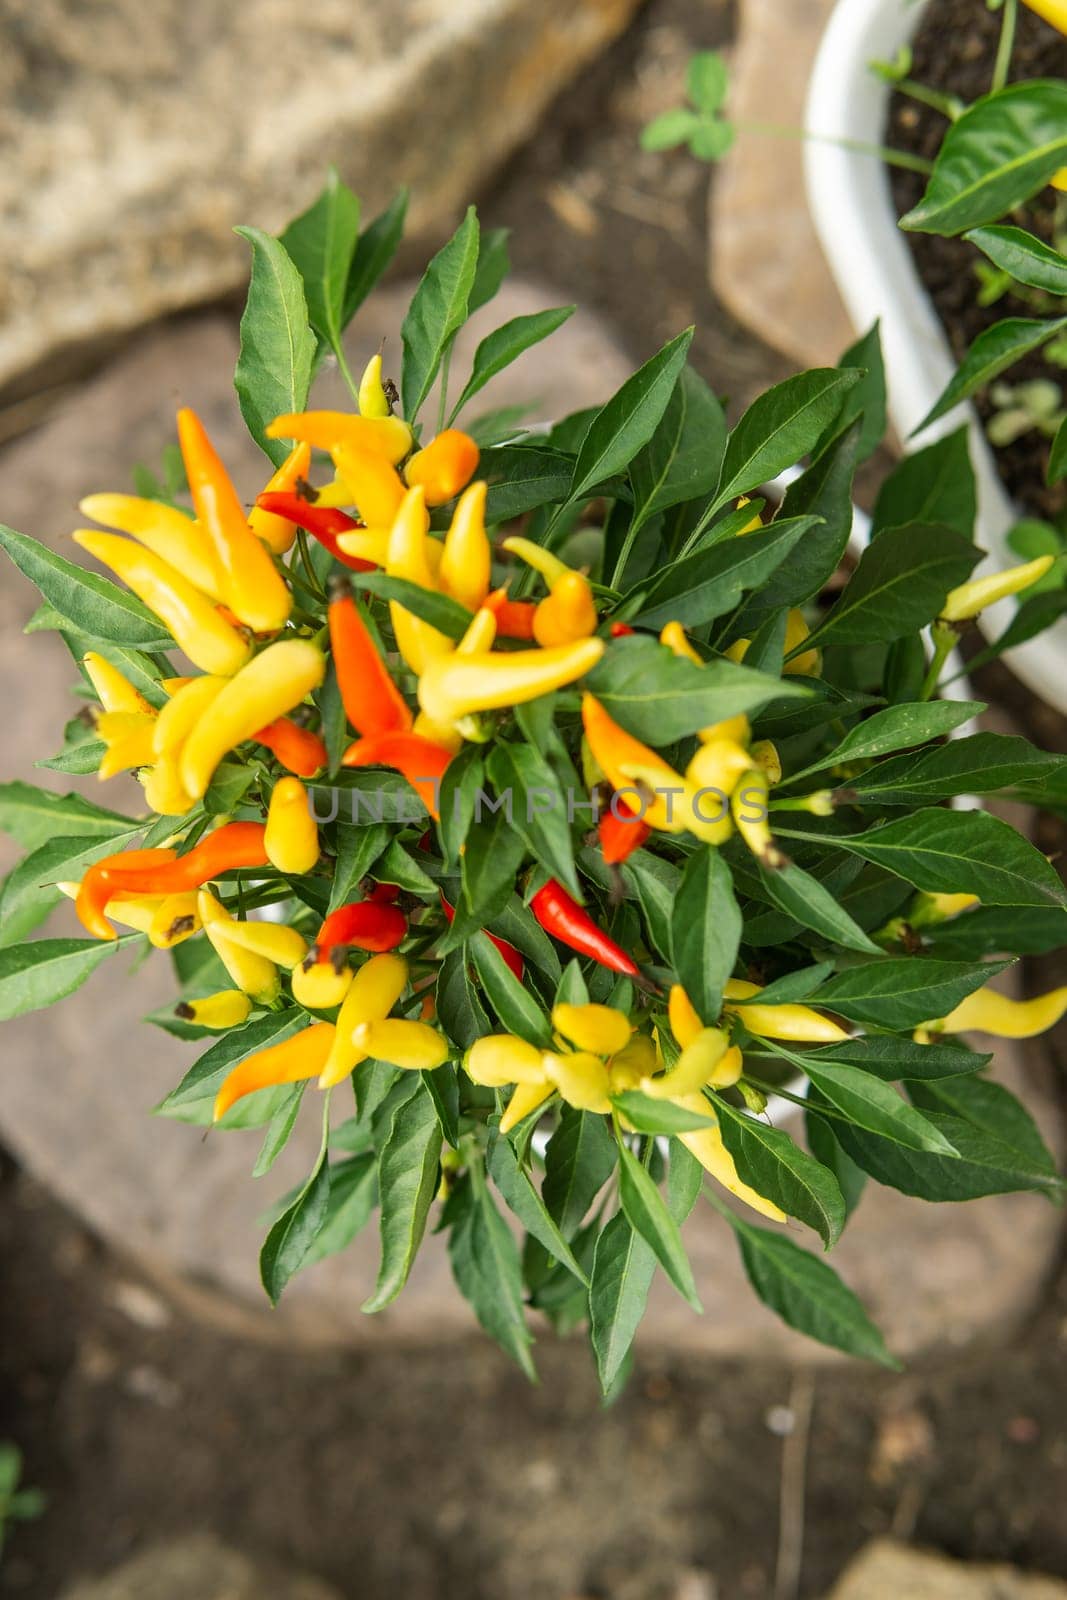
548	1035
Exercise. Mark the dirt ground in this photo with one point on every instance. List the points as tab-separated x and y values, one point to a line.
439	1473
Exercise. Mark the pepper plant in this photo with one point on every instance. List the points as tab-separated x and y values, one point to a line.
579	823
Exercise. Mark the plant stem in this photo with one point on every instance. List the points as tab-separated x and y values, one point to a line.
1007	43
943	643
893	158
442	400
346	372
949	105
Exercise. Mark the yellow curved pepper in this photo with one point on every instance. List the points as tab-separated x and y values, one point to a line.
581	1078
164	791
128	737
1053	12
568	612
269	686
987	1011
414	1046
272	940
604	1030
551	568
188	615
525	1098
172	535
372	398
749	808
183	711
971	598
796	1022
456	686
498	1059
700	1063
444	467
372	994
114	691
227	1009
466	557
292	837
253	974
324	430
301	1056
809	663
683	1016
318	986
372	485
278	533
408	557
175	918
706	1144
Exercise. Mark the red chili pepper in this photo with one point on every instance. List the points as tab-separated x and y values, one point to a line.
421	762
561	916
512	956
297	748
385	894
368	924
373	703
324	523
236	844
622	831
514	618
621	630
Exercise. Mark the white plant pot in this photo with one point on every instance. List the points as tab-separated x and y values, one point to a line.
852	208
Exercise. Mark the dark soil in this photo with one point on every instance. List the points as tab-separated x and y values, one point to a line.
954	50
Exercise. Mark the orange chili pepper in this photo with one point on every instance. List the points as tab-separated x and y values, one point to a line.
621	831
514	618
297	748
444	467
373	703
420	761
621	630
235	844
302	1056
98	885
278	532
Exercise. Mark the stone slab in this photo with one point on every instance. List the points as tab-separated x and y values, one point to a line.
888	1571
767	265
79	1080
198	1568
136	136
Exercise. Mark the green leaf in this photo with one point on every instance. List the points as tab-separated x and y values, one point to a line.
29	892
96	606
773	1164
1057	457
810	903
407	1182
823	1144
278	1133
204	1078
623	1269
289	1240
681	460
491	861
438	310
961	852
935	485
705	931
378	244
867	1102
353	1195
994	350
517	1009
277	354
865	402
983	763
459	1009
38	974
658	1117
1023	257
486	1265
710	582
493	267
626	422
900	583
538	808
461	783
707	80
321	243
76	760
523	1200
897	728
439	610
992	1109
357	851
500	348
807	1293
644	1209
579	1159
522	477
32	816
903	993
654	883
893	1058
443	1085
711	138
1003	149
823	491
780	427
669	129
660	697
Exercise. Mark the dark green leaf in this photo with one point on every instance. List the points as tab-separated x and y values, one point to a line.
491	860
658	1116
629	419
824	490
897	728
439	610
95	605
32	816
865	401
867	1102
289	1240
377	246
623	1269
681	461
459	1009
985	1164
822	1143
38	974
981	764
893	1058
1057	456
407	1182
579	1159
29	891
524	1201
773	1164
517	1008
486	1265
357	851
705	931
644	1209
438	310
460	785
499	349
904	992
935	485
710	582
993	351
321	243
493	267
353	1194
277	354
1024	258
810	903
781	426
522	478
901	583
538	808
281	1126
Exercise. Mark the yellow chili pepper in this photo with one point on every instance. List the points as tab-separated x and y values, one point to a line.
301	1056
526	1097
114	691
624	760
718	766
372	398
292	836
698	1064
674	636
164	791
600	1029
928	909
128	737
249	582
172	535
374	486
366	544
1053	12
227	1009
272	940
971	598
581	1078
765	754
456	686
323	430
319	986
269	686
135	911
1058	180
683	1016
567	613
408	557
536	556
466	558
276	532
986	1011
372	994
779	1022
738	650
444	467
183	711
706	1144
736	729
634	1062
753	522
187	614
809	663
175	918
415	1046
498	1059
749	808
253	974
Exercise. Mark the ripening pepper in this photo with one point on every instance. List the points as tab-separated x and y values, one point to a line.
525	1097
373	703
297	748
323	523
621	830
114	691
278	532
323	430
272	940
796	1022
582	1079
372	994
419	760
514	618
466	556
162	871
456	686
250	583
104	879
683	1016
253	974
707	1060
270	685
408	557
415	1046
374	925
183	711
444	467
987	1011
707	1145
188	615
1053	12
169	533
374	487
808	663
512	957
601	1029
536	556
371	397
560	915
164	791
127	736
970	598
318	986
292	836
749	808
227	1009
136	911
302	1056
568	612
497	1059
176	917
